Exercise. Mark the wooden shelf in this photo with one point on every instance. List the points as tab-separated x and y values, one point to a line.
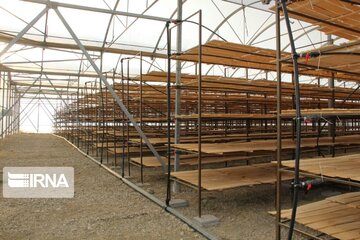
346	167
334	17
244	56
337	216
266	145
193	160
232	177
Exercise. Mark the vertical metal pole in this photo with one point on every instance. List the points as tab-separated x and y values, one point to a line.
10	104
199	113
278	123
2	103
247	121
87	119
122	121
13	115
107	125
103	122
14	124
178	90
78	113
319	121
141	121
38	117
12	112
19	106
93	112
128	122
97	120
114	123
331	104
168	113
332	125
7	106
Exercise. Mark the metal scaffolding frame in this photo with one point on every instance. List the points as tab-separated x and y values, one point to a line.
13	114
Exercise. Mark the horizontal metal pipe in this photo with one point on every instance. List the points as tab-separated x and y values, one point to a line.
53	4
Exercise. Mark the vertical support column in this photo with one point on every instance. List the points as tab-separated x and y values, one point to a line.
97	120
10	104
278	123
247	121
107	124
114	124
12	130
93	117
38	117
2	81
141	121
15	112
128	122
86	117
331	104
7	106
168	112
178	90
199	114
319	120
103	122
19	107
78	131
122	122
12	111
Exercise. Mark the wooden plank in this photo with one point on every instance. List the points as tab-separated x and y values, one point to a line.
244	56
333	216
335	17
226	178
151	161
346	167
266	145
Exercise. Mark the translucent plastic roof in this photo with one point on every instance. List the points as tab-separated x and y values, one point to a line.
48	47
234	22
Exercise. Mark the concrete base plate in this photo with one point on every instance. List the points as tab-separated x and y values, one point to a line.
207	220
178	203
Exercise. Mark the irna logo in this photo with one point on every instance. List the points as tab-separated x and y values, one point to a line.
38	182
33	180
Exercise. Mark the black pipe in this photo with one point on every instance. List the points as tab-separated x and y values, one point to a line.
296	182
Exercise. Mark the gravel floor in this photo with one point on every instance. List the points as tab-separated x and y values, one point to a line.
103	207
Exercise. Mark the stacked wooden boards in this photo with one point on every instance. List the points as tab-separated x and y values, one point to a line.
266	145
191	159
226	178
337	216
244	56
336	17
345	167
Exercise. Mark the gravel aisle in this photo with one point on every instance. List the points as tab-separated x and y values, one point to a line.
103	207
